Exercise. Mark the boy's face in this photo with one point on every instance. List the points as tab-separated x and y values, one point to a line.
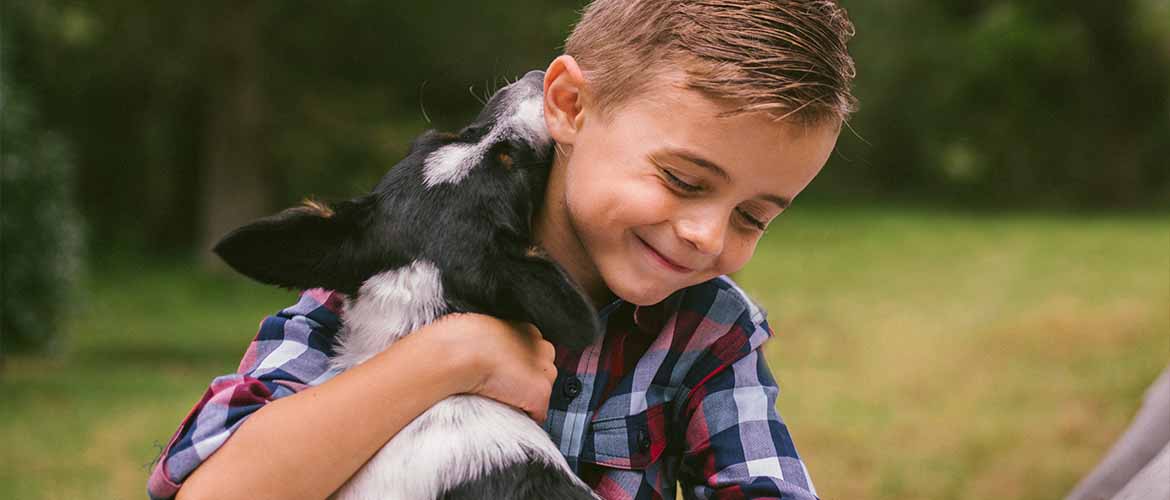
664	194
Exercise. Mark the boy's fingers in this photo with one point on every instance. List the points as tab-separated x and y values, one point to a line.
546	351
533	332
540	412
550	374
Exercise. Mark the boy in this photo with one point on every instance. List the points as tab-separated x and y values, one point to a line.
682	129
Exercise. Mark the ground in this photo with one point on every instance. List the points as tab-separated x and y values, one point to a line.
920	355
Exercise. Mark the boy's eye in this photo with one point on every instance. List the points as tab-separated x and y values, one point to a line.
750	219
759	224
679	183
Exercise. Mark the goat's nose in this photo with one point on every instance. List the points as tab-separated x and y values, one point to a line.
535	76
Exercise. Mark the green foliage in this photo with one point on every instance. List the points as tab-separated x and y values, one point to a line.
137	87
1036	104
978	103
40	233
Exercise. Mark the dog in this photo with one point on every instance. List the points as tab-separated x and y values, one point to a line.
447	229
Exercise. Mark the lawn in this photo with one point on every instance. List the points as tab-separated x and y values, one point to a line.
920	355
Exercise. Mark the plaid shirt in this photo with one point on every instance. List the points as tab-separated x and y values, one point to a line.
678	391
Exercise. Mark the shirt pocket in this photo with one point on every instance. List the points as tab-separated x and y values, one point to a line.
628	442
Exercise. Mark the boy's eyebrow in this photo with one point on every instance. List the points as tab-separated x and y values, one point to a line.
780	201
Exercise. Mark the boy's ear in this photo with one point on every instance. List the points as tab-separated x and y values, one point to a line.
564	99
309	246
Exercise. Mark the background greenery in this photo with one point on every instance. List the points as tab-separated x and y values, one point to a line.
920	355
970	299
191	118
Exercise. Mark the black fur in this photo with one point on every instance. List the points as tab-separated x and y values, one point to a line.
478	232
523	481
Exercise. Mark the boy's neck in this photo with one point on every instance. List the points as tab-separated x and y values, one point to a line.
553	230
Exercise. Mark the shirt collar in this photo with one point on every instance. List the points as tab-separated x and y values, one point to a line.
606	311
649	319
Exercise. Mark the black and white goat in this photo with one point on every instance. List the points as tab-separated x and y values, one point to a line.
447	229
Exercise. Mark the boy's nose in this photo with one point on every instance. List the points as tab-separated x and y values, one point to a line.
706	233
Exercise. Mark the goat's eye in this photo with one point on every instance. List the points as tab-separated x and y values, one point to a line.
475	132
504	159
503	154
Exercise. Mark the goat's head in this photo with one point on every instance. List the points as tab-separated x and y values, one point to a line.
450	189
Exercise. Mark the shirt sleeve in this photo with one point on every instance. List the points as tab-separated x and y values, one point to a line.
737	446
290	353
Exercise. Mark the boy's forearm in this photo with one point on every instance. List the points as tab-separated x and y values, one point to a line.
307	445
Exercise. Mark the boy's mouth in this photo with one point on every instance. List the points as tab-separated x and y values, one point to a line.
662	260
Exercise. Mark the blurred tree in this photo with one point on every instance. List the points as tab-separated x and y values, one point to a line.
236	188
189	119
1041	104
124	83
40	234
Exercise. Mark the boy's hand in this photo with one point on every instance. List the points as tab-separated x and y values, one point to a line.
506	361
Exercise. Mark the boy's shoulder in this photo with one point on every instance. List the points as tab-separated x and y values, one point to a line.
756	313
723	301
714	319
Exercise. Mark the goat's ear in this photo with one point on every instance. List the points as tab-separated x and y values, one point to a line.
304	247
551	301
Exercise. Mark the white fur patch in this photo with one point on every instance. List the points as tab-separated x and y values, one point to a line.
527	122
389	305
453	162
521	118
459	439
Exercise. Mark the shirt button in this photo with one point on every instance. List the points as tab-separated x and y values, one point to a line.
643	441
572	387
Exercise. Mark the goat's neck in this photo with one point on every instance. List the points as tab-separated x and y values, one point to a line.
389	305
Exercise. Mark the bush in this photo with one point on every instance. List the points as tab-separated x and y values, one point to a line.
40	232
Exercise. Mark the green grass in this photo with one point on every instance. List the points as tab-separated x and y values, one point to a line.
86	424
920	355
954	356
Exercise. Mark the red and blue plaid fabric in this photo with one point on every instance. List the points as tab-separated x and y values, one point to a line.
675	394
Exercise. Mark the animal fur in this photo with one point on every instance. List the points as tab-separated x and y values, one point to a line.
448	229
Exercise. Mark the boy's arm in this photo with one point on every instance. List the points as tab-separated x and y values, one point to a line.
288	355
736	444
274	430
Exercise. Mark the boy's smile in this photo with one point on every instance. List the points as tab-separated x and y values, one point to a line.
661	193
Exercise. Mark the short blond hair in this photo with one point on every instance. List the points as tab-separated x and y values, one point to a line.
787	58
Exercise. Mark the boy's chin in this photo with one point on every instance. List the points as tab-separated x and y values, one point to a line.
640	295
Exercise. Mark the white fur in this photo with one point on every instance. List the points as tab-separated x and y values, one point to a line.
522	118
453	162
527	122
389	306
458	439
